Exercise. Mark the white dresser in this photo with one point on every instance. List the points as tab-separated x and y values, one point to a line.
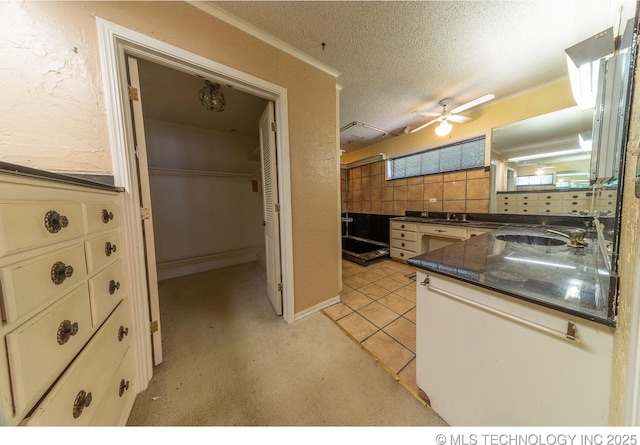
65	358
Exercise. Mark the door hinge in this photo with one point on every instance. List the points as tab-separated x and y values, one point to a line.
279	287
133	93
145	213
277	208
154	326
273	126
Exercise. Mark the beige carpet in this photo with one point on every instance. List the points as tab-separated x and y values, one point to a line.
229	360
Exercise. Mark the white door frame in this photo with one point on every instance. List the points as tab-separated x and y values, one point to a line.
115	43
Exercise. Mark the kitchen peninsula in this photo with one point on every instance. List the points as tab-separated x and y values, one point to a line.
519	308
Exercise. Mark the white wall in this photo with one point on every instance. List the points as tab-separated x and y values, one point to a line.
205	212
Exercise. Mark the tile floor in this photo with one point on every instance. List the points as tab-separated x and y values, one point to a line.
378	309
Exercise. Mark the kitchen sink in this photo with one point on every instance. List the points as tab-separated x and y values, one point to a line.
535	240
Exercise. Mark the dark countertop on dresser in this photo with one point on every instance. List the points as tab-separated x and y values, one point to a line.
103	182
568	279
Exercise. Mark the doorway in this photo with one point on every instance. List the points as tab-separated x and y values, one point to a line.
116	44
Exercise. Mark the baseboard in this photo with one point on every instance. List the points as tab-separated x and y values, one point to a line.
318	307
188	266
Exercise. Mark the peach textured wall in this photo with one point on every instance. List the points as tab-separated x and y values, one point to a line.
53	110
366	190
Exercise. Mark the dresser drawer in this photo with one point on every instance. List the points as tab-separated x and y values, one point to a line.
444	231
30	284
88	377
103	250
402	235
106	289
119	396
25	225
404	245
102	216
42	347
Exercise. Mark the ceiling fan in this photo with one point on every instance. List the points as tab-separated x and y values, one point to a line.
450	116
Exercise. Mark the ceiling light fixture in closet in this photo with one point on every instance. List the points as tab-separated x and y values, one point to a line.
211	97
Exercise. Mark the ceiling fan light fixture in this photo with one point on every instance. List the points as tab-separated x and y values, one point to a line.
444	128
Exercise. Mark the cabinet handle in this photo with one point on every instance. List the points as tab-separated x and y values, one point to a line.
113	286
124	386
402	254
122	332
65	331
402	226
106	216
60	272
109	248
54	222
402	235
83	400
440	230
402	244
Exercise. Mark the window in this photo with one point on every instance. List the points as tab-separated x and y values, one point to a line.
534	180
459	156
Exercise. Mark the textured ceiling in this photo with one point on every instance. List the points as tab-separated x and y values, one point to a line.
397	57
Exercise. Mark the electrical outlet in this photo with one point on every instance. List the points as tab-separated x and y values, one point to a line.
433	200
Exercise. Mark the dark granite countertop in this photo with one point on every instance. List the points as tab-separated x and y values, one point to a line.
568	279
103	182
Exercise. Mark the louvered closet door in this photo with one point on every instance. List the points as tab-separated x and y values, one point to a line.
270	202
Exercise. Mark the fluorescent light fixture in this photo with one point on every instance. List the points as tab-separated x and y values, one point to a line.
444	128
583	62
548	155
585	141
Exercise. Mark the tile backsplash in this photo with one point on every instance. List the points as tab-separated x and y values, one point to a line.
364	189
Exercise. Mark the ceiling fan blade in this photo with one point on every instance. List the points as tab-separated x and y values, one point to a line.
459	119
424	125
426	113
473	103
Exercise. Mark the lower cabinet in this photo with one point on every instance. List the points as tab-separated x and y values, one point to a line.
484	358
65	320
97	383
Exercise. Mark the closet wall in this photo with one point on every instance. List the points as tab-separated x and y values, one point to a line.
207	212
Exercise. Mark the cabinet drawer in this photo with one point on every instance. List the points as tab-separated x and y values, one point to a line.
402	235
527	198
30	284
105	291
401	254
399	225
585	194
41	348
26	225
444	231
404	245
113	411
526	209
102	216
575	205
504	199
88	377
101	251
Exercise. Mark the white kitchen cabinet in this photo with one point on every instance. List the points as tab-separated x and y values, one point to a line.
65	316
485	358
405	240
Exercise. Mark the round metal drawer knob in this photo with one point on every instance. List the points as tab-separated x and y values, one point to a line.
60	272
65	331
54	222
124	386
83	400
122	332
113	286
106	216
109	248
